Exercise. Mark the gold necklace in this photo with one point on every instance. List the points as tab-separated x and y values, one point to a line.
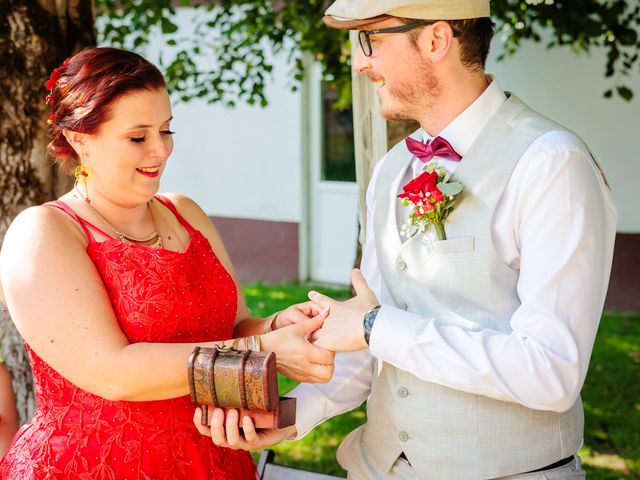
154	240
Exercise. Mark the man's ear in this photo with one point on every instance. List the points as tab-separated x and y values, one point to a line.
77	141
441	41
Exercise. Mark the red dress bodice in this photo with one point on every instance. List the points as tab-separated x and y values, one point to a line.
158	296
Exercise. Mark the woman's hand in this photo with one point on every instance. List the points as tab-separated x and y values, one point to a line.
225	431
297	357
295	314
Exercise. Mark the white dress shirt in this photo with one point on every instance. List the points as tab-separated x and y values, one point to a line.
555	223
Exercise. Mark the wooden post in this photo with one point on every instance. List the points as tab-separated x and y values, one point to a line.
373	137
370	135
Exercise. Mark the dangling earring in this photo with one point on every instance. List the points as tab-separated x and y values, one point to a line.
81	172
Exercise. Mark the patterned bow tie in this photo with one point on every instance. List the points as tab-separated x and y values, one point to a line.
438	147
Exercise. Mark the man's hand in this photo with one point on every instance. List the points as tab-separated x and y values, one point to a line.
225	432
342	330
297	357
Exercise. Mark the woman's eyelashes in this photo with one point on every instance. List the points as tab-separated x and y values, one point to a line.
143	138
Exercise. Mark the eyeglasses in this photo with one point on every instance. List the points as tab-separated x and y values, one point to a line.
365	41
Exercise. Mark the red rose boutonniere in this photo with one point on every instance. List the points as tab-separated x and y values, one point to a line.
432	197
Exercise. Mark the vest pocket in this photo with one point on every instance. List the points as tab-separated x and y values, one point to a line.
454	245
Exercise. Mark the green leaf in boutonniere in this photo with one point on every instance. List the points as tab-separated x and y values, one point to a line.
450	189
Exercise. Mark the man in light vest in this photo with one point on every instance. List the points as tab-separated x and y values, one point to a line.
488	248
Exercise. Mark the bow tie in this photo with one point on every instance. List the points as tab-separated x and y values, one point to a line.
438	147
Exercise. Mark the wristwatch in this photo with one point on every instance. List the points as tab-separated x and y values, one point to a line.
367	322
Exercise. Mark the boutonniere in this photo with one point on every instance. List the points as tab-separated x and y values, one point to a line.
432	197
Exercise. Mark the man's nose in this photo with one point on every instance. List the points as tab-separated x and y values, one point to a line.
359	62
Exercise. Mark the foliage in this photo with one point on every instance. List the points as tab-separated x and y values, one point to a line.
227	56
580	24
611	397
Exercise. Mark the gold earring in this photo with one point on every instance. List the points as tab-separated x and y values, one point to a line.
81	172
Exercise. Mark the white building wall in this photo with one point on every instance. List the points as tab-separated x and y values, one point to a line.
243	162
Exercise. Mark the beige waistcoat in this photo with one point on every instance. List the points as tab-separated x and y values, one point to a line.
446	433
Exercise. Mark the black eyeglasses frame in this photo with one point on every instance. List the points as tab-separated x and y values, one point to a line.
365	42
363	35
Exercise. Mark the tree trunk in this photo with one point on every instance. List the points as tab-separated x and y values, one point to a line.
35	37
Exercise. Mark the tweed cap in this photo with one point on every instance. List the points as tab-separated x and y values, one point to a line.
352	14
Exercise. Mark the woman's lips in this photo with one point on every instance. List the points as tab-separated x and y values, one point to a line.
149	171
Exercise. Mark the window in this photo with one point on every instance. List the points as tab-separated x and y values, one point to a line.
338	155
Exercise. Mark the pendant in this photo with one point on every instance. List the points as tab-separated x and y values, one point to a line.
157	243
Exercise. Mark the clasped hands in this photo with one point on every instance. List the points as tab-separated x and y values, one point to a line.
342	330
334	326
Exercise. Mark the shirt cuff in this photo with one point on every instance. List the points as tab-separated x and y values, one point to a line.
310	409
388	342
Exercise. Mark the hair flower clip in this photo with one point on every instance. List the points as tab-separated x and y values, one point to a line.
55	75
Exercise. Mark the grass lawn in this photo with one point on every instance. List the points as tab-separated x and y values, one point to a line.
611	396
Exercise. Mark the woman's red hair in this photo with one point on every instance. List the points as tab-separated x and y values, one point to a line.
87	86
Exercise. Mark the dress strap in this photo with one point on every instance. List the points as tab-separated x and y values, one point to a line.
169	204
84	224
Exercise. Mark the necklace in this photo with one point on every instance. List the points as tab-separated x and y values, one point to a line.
154	240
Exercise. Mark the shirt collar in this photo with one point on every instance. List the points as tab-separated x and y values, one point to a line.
465	128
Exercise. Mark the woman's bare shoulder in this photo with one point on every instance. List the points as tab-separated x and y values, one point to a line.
38	236
190	210
41	223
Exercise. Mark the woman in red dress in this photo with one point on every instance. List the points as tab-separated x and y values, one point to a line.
112	286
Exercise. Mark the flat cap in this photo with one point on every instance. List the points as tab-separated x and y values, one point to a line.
352	14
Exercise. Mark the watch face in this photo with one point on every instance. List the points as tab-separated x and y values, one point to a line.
368	321
369	318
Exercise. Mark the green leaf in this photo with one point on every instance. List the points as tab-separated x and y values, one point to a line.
168	26
625	92
452	188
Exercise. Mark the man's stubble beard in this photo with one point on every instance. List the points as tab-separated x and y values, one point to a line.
412	99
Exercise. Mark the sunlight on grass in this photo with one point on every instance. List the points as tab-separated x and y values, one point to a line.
607	466
278	295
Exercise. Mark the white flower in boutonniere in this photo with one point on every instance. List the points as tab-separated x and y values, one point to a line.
432	197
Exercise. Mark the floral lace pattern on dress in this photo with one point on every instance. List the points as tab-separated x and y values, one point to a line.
158	296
